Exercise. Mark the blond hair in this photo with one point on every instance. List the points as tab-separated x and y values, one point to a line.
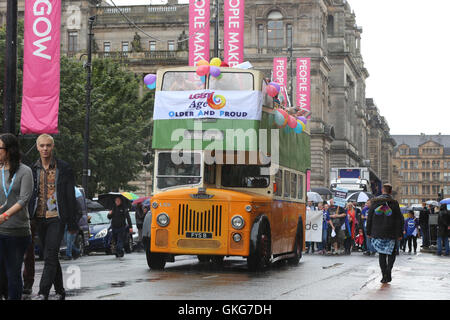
47	136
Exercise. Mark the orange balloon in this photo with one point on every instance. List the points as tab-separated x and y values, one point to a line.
202	63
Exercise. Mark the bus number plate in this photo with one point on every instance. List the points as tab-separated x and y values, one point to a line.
199	235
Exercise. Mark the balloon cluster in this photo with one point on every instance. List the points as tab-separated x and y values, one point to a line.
289	122
213	67
150	81
273	89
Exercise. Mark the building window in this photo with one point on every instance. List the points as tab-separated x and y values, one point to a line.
405	190
260	36
152	46
171	45
73	40
275	37
289	35
330	25
425	189
106	48
124	46
414	190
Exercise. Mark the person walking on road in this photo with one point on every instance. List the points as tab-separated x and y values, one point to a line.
411	232
385	227
120	217
15	230
424	218
443	232
54	206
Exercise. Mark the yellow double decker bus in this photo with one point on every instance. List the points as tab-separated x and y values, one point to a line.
227	180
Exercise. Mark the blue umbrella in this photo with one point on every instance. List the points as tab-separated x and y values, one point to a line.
445	201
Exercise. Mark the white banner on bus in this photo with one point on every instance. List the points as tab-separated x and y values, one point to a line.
313	226
219	104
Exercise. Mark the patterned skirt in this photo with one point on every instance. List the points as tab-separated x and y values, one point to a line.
385	246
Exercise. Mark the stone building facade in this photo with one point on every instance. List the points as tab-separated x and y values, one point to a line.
346	127
423	166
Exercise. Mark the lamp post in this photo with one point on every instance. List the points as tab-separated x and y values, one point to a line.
216	31
88	66
10	94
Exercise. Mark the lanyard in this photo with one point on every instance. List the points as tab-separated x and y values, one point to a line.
4	186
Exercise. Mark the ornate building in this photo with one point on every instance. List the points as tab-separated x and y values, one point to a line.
346	128
423	166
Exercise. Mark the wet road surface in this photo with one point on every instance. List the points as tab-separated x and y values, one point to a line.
317	277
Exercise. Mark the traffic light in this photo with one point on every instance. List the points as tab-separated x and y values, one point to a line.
441	195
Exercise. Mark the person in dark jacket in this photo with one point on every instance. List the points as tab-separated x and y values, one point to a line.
385	227
120	216
424	224
53	206
443	232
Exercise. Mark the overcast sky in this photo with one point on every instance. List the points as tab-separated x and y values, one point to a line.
405	49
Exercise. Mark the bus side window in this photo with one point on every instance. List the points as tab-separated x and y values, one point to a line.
287	184
300	187
279	183
293	185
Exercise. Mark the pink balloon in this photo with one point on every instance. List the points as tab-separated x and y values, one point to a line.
149	78
202	70
292	122
271	91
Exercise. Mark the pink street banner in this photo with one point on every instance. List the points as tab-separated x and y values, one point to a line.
304	84
40	102
308	180
198	31
234	32
280	76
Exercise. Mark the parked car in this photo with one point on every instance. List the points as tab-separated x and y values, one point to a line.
101	233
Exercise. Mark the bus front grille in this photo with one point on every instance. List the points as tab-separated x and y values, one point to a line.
207	221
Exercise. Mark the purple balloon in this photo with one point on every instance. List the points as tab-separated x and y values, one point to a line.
302	119
214	71
276	85
150	78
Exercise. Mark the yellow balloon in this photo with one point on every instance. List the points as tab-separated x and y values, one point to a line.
215	62
202	63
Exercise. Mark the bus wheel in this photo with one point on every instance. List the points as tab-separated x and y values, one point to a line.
298	246
218	260
156	261
260	258
203	258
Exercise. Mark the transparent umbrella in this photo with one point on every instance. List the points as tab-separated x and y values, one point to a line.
314	197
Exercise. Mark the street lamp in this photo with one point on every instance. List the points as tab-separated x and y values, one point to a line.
88	66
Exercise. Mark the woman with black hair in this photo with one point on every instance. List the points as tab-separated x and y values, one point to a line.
16	186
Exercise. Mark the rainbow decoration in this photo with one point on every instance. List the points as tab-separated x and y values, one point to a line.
216	101
383	209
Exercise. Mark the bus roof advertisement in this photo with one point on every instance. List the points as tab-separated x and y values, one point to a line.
234	32
198	31
219	104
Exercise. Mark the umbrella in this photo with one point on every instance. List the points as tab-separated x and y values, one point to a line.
94	205
314	197
404	209
360	196
130	195
139	200
78	193
445	201
107	199
433	203
322	191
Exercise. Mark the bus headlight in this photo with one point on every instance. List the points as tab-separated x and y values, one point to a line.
237	222
163	219
248	208
155	205
237	237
